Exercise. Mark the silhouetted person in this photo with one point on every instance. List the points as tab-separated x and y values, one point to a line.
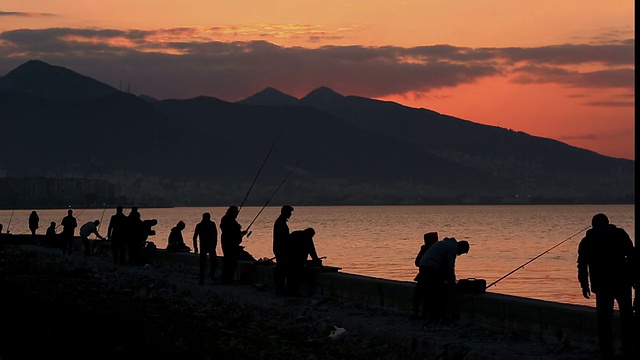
51	236
34	223
117	234
87	229
280	238
175	243
134	234
207	231
300	246
439	277
69	225
419	292
605	260
231	234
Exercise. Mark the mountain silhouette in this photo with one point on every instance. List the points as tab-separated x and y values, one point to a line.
41	79
270	96
330	148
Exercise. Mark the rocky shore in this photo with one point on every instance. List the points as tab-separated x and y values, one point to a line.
77	307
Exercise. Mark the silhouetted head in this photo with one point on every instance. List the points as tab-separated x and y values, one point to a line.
96	222
206	216
599	220
33	212
119	209
309	232
463	247
286	209
53	224
430	238
233	211
70	212
180	225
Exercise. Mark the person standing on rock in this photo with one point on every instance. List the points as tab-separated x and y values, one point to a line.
207	231
280	238
231	235
69	225
606	258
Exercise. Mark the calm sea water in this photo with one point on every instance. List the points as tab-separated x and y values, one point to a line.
382	241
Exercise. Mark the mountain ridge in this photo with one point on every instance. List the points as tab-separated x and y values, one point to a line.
350	149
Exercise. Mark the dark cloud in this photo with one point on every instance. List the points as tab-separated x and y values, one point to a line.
186	62
24	14
611	103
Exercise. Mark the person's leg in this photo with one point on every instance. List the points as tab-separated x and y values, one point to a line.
604	318
279	277
115	247
203	265
625	306
213	264
86	245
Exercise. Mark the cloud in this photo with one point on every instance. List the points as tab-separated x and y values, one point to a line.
189	61
24	14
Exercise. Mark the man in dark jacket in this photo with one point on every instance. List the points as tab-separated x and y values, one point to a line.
299	247
208	233
231	235
605	261
280	237
116	233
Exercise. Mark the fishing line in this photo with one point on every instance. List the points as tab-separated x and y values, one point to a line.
535	258
525	264
272	195
101	217
10	217
259	171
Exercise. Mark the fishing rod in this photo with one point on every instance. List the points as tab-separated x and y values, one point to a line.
10	217
535	258
259	171
271	198
102	216
521	266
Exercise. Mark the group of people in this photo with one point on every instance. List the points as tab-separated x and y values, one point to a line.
608	262
291	249
128	234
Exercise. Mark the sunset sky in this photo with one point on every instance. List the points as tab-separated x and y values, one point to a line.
558	69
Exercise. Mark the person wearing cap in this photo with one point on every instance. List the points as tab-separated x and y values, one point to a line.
439	276
605	267
280	237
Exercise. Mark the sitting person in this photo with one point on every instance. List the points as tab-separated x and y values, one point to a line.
176	242
51	236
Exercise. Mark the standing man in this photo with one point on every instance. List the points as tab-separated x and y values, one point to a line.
69	225
34	221
231	234
280	237
116	233
605	261
208	233
437	269
87	229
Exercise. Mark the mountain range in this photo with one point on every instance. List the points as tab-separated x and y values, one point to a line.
324	148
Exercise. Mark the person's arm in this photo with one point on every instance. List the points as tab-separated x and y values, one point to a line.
312	251
195	239
423	249
583	268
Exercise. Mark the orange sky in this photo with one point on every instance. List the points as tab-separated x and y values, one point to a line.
558	69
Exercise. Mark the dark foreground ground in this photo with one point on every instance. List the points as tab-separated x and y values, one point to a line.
72	307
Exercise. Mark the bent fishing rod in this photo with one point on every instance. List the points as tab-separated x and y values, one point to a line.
259	171
271	198
535	258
